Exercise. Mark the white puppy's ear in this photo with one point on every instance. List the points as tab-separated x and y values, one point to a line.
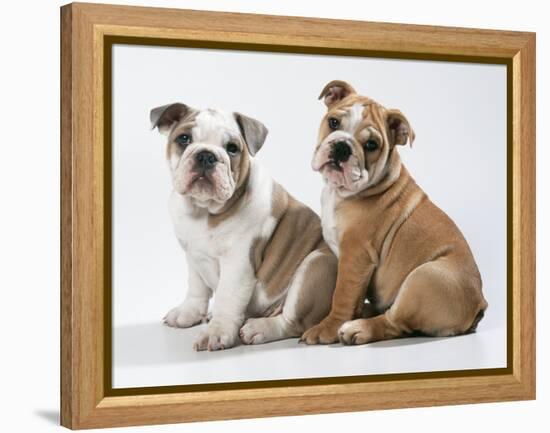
335	91
253	131
166	116
399	128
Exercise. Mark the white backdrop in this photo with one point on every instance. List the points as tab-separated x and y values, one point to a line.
29	229
458	112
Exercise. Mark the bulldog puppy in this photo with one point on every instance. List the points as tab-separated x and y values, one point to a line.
247	241
395	248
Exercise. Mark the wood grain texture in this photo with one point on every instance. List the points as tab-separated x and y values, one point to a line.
524	219
310	32
84	403
67	394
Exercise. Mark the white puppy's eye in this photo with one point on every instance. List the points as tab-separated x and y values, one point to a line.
183	139
232	148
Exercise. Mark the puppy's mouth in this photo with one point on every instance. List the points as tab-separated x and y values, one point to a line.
201	177
204	183
342	174
322	163
347	168
333	165
196	179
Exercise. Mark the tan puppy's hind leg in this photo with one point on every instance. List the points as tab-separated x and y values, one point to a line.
371	327
362	331
307	302
434	299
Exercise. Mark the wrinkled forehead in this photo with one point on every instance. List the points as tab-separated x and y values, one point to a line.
358	113
214	126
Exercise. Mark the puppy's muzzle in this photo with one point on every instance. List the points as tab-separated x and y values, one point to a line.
340	152
205	160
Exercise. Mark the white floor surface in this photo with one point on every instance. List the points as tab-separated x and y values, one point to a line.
151	354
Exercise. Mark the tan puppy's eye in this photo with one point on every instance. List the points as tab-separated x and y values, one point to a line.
333	123
371	145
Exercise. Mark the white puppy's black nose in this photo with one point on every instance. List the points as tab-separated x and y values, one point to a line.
340	152
206	159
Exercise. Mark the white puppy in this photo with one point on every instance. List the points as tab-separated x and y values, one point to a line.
247	241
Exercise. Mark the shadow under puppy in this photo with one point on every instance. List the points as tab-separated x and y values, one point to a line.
249	242
395	248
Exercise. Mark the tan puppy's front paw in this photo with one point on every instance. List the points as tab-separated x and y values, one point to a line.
356	332
325	332
215	337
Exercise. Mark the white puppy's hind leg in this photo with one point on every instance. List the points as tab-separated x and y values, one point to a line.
265	329
307	302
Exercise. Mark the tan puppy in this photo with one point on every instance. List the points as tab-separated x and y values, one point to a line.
395	247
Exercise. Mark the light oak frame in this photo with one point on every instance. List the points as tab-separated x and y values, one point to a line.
87	34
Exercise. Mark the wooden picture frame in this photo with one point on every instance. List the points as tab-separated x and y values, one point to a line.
87	34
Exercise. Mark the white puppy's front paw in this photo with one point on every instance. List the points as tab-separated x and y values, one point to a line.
184	316
216	337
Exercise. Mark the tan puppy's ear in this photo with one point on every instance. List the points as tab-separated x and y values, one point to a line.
164	117
335	91
253	131
399	129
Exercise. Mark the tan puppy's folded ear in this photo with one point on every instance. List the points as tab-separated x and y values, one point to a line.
335	91
253	131
399	129
164	117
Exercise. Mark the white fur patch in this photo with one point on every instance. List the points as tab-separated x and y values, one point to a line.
214	126
329	200
345	326
355	117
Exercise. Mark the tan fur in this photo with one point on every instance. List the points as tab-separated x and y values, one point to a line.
302	304
183	126
240	170
399	251
310	306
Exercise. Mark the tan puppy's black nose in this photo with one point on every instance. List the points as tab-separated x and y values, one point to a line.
341	151
206	159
